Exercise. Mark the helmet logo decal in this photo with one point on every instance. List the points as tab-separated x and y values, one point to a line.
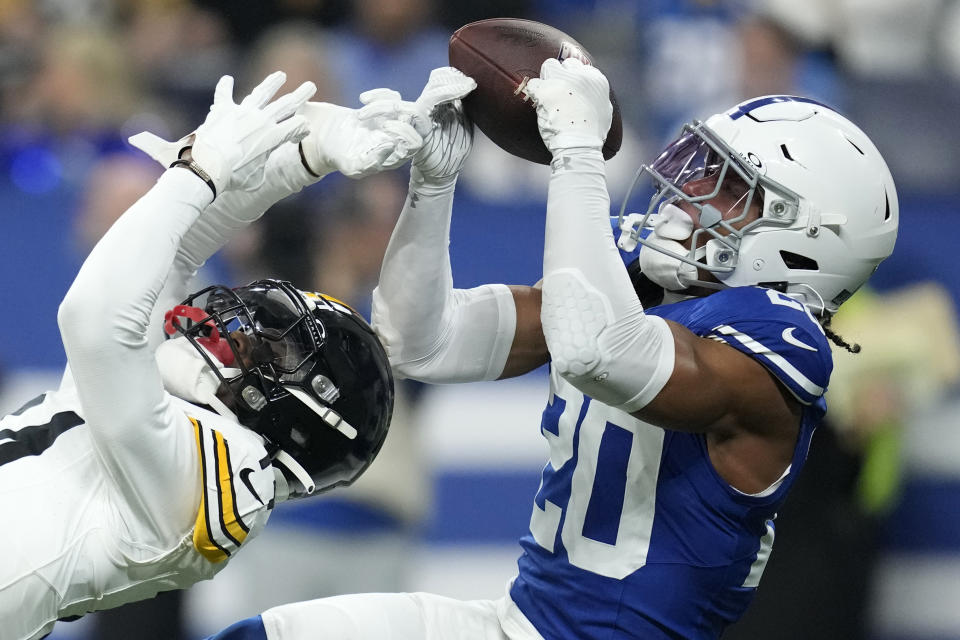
744	109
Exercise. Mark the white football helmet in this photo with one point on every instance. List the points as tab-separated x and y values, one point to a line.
829	209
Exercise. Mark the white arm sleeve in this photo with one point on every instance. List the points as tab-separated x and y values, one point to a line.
431	331
146	446
599	338
230	213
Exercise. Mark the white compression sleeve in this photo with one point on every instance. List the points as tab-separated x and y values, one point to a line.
142	440
431	331
599	338
230	213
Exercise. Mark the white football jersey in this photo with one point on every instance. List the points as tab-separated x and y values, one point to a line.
79	536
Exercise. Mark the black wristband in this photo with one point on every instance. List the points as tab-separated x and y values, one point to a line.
303	161
198	171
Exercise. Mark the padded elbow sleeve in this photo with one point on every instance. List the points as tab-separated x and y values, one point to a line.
621	361
471	341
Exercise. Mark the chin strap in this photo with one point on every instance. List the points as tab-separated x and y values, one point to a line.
296	469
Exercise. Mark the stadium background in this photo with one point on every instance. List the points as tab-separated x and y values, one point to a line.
870	544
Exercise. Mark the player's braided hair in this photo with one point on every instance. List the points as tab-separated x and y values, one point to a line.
834	337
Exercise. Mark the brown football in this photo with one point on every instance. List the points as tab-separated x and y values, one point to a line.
501	54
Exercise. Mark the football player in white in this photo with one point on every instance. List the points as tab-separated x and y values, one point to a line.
675	430
155	461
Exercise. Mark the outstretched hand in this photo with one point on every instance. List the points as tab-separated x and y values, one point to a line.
233	143
573	104
437	115
340	140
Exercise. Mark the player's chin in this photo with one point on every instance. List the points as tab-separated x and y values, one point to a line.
226	396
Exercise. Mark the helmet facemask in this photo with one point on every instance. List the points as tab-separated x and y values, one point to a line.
699	155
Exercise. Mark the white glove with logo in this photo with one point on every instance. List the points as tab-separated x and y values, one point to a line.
670	226
437	114
232	145
573	104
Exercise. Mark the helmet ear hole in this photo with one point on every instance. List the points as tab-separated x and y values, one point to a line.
797	261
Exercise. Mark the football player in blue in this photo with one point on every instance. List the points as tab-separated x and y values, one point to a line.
155	461
676	428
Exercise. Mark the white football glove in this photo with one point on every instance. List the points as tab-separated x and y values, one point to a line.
437	114
340	140
233	143
573	104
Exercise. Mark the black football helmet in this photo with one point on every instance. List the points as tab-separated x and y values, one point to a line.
304	370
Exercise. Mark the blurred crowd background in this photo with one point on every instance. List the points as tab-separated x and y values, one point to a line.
869	543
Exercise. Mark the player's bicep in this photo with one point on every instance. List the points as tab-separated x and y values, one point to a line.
529	348
713	388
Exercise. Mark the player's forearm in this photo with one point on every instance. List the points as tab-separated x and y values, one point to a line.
598	335
233	211
431	331
220	222
110	301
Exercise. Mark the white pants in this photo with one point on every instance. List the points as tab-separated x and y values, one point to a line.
398	616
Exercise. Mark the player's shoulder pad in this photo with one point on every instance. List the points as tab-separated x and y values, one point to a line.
779	332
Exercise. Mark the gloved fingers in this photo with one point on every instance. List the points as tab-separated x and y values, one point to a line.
444	85
573	64
378	109
403	133
286	105
390	109
375	95
389	149
534	88
223	92
263	93
551	67
293	129
383	111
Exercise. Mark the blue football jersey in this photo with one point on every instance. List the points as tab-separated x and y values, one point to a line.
633	533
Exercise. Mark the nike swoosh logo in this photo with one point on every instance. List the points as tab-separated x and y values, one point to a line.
245	477
789	338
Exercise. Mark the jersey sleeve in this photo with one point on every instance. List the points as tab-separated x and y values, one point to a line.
778	332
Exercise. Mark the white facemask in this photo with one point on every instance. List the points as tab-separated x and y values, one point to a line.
670	226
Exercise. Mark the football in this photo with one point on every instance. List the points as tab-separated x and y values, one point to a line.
502	54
